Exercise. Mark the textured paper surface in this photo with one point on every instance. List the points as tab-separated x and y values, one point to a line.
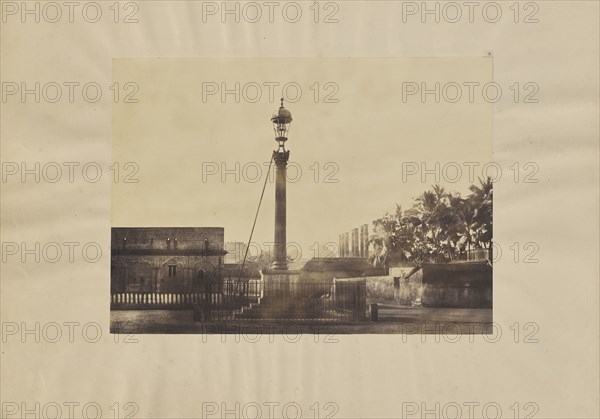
554	301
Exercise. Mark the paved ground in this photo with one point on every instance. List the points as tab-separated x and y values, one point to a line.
392	320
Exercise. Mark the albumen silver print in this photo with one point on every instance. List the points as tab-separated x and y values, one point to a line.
304	209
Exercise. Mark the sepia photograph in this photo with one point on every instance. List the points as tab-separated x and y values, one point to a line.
409	248
299	209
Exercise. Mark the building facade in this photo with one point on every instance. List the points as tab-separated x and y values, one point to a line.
167	259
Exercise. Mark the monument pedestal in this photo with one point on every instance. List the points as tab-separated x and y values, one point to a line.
277	283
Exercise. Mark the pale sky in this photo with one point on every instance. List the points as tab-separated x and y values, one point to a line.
176	134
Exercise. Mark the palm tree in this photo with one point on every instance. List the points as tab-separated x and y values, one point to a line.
467	214
441	222
380	240
437	227
482	200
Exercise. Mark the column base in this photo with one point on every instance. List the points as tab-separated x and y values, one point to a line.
279	266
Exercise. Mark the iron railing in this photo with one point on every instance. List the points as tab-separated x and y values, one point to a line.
342	300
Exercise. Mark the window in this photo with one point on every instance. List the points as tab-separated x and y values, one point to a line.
172	271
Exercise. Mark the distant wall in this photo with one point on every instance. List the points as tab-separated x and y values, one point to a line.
400	271
381	288
325	269
328	276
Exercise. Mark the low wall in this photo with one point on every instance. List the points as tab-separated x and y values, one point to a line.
410	290
466	284
396	287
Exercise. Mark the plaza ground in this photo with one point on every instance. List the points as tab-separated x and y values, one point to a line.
393	319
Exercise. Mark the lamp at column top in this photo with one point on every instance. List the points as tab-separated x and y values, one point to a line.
281	125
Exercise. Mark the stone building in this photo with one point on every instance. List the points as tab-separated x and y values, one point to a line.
235	252
167	259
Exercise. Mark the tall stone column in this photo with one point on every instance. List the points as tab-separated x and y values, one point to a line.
279	249
346	244
361	242
355	243
366	238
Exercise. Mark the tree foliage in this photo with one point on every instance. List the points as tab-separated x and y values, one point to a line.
439	227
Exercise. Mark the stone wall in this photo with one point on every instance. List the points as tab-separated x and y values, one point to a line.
156	273
408	282
460	285
467	284
381	289
410	289
396	288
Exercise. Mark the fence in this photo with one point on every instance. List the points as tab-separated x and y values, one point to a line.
294	300
232	293
149	300
342	300
351	298
316	301
252	288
